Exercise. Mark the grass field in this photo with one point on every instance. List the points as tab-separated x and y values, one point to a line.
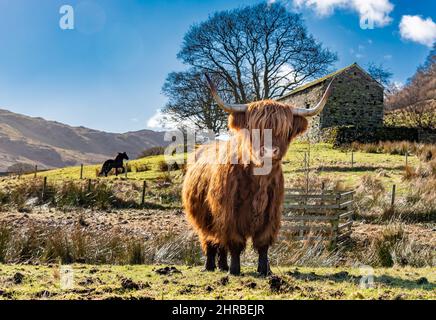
325	161
181	282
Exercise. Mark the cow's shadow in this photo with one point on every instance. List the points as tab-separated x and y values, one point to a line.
355	168
386	280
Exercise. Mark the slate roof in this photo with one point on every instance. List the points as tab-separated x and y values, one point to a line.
329	76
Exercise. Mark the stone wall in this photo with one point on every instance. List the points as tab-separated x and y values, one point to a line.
427	135
356	100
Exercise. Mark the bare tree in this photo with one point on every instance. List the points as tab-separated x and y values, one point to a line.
420	89
380	73
190	102
415	104
260	52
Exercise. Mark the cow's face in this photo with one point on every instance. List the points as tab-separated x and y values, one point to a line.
285	122
266	115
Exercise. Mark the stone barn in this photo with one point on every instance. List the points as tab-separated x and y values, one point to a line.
356	100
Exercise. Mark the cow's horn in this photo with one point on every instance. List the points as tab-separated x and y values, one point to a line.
227	107
319	107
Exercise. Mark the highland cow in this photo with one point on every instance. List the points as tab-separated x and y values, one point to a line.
227	203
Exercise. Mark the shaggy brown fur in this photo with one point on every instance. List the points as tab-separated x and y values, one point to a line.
226	203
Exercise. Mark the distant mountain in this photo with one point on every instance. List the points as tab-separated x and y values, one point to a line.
51	144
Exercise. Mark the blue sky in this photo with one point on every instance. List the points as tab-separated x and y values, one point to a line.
107	73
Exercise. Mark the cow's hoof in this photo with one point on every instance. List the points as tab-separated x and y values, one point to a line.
265	274
235	272
208	269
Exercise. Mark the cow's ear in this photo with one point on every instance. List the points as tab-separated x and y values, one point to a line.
237	121
299	126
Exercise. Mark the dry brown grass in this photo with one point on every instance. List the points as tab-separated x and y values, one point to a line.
44	244
392	246
426	152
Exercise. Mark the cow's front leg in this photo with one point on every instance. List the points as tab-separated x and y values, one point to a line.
235	262
222	259
211	250
263	267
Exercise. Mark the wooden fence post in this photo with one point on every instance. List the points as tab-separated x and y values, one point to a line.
393	196
352	159
143	193
335	224
81	171
89	185
127	169
36	171
44	188
306	167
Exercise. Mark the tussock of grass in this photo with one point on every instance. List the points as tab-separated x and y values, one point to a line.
392	247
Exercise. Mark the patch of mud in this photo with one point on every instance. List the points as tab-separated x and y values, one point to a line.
209	288
341	276
44	294
131	298
17	278
89	281
6	294
276	284
224	281
166	271
129	284
187	289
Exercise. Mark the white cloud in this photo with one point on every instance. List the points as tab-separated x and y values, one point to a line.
160	122
376	11
155	122
419	30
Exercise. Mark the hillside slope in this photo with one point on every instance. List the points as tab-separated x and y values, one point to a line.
51	144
